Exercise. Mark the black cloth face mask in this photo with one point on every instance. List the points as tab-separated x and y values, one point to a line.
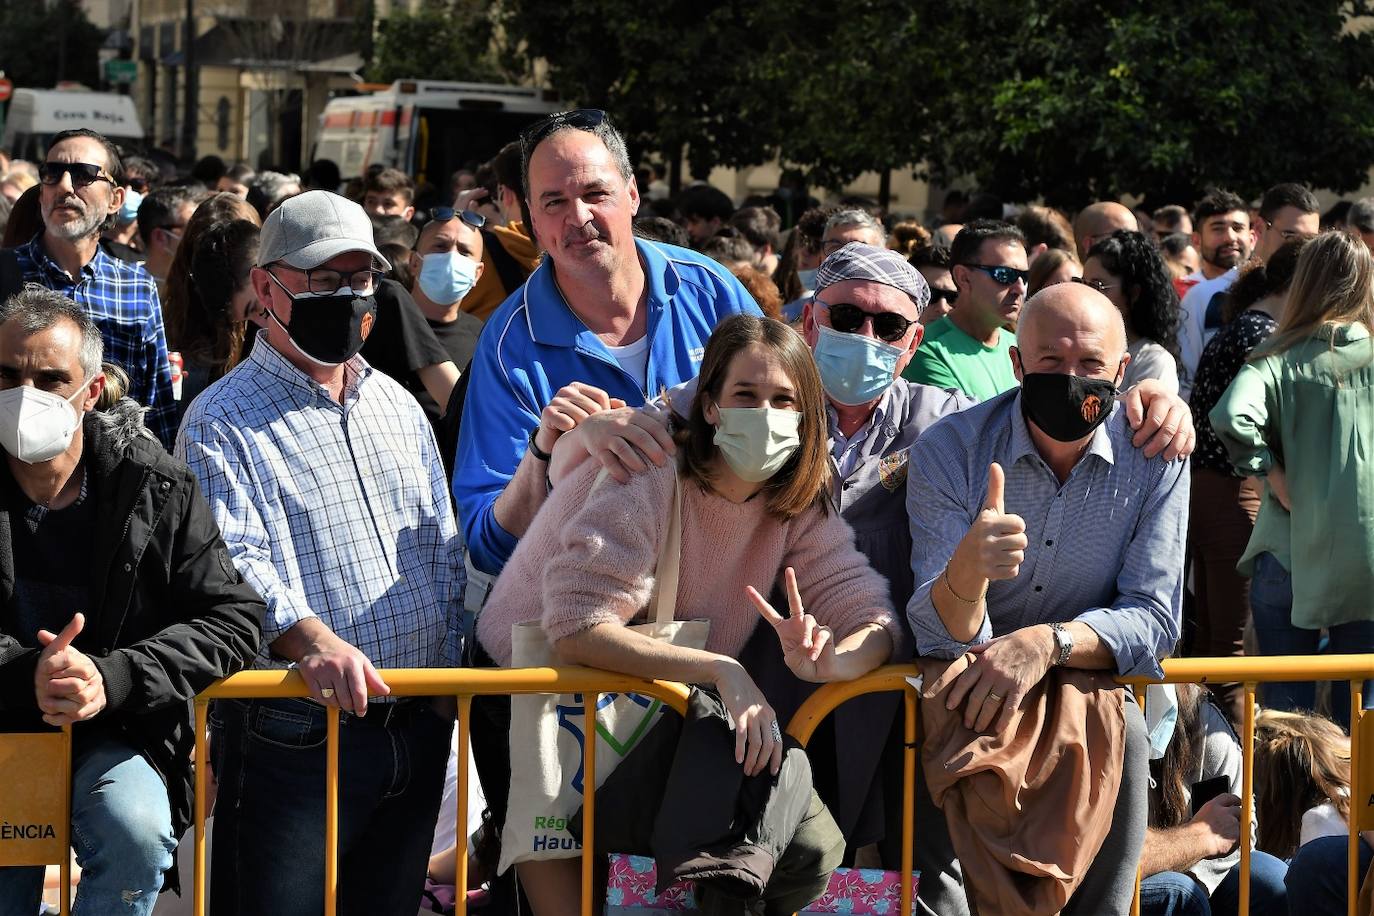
1066	407
327	329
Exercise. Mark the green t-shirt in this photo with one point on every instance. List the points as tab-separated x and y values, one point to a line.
949	358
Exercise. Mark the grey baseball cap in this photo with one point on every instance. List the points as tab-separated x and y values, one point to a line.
310	228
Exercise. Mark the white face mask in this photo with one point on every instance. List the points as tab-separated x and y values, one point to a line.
37	425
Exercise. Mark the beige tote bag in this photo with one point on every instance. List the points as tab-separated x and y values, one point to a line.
547	732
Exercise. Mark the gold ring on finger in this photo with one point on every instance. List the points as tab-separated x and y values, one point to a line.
995	697
327	692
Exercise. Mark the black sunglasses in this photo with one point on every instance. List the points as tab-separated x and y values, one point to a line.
1003	274
943	295
578	118
83	173
139	184
472	218
847	319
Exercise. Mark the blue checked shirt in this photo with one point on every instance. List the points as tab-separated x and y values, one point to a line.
336	511
1106	548
122	300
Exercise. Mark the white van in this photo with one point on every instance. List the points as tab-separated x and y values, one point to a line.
427	128
36	115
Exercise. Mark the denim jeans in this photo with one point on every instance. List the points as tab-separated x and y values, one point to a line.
1271	603
269	757
1317	875
122	834
1172	893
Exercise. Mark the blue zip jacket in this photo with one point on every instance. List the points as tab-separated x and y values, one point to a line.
533	345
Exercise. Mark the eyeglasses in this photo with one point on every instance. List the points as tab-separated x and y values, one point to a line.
444	214
943	295
1002	274
325	282
1095	284
578	118
848	319
83	173
1289	235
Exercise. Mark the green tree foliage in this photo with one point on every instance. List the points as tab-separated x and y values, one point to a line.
1082	100
1071	99
443	40
672	73
42	43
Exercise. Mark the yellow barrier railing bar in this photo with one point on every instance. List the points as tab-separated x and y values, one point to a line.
461	683
331	811
202	776
465	683
64	867
908	811
1139	869
1247	794
463	723
1352	860
589	701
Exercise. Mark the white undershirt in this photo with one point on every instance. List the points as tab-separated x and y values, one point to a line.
634	359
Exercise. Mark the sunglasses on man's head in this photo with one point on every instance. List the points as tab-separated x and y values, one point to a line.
1002	274
444	214
578	118
83	173
848	319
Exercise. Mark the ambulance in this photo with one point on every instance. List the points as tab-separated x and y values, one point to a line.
427	128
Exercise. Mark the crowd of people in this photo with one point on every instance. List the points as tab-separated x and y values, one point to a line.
349	427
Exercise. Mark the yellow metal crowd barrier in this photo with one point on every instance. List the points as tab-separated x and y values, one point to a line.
464	684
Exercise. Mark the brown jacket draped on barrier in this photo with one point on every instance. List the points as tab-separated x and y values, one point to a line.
1027	810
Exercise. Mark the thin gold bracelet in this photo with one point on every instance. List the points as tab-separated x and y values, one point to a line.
959	597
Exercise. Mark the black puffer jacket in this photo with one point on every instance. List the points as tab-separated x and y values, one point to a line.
169	612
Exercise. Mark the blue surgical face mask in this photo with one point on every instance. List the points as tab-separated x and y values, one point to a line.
854	369
446	277
128	211
808	278
1161	715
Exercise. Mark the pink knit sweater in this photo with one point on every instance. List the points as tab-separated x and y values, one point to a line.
589	559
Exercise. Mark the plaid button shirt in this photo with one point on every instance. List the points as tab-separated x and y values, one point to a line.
122	300
335	511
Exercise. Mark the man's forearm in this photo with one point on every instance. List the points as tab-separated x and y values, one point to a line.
521	499
299	638
439	380
1174	849
1089	651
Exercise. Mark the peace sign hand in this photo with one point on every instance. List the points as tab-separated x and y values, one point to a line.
807	647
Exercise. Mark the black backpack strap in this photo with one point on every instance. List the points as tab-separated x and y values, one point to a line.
507	268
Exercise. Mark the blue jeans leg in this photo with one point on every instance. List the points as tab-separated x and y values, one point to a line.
1268	896
1271	609
21	889
1172	893
269	815
1354	638
1316	878
122	834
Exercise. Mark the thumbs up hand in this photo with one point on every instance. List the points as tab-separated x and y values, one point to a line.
995	544
68	684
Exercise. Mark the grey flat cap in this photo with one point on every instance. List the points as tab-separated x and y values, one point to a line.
310	228
857	261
